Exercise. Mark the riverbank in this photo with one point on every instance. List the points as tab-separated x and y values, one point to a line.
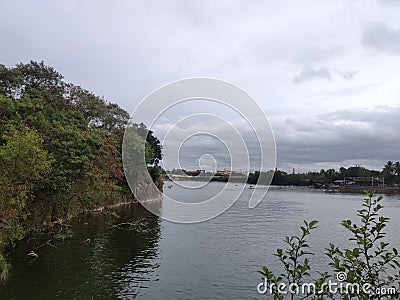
59	229
351	189
388	190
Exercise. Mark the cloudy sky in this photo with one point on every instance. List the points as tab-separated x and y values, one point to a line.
326	73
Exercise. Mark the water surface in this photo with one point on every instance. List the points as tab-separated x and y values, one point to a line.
217	259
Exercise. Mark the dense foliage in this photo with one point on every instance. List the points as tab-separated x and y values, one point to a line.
60	152
390	172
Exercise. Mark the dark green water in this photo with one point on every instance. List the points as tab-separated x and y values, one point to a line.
217	259
114	261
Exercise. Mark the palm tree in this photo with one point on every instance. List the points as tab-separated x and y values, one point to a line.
388	168
397	168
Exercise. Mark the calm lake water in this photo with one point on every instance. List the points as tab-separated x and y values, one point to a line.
217	259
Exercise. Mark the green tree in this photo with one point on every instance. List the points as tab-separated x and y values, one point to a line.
23	162
331	174
397	171
389	172
397	168
388	169
60	151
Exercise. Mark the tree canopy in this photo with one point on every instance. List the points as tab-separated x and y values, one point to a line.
60	150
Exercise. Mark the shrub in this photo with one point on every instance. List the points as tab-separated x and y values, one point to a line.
369	270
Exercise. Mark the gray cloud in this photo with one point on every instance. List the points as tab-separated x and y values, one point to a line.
310	73
333	139
348	75
324	73
126	50
370	137
223	144
379	36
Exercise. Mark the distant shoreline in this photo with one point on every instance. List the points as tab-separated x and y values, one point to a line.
349	189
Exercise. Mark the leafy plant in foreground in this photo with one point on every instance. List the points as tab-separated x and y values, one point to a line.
371	261
371	269
294	260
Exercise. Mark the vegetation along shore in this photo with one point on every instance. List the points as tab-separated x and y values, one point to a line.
60	153
354	179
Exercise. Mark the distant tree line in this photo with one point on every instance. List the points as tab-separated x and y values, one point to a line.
390	173
60	152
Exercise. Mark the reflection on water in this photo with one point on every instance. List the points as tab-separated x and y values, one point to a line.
98	262
217	259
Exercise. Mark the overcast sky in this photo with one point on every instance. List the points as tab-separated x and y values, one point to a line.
326	73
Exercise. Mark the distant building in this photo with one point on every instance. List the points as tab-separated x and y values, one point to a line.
223	172
360	181
343	182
